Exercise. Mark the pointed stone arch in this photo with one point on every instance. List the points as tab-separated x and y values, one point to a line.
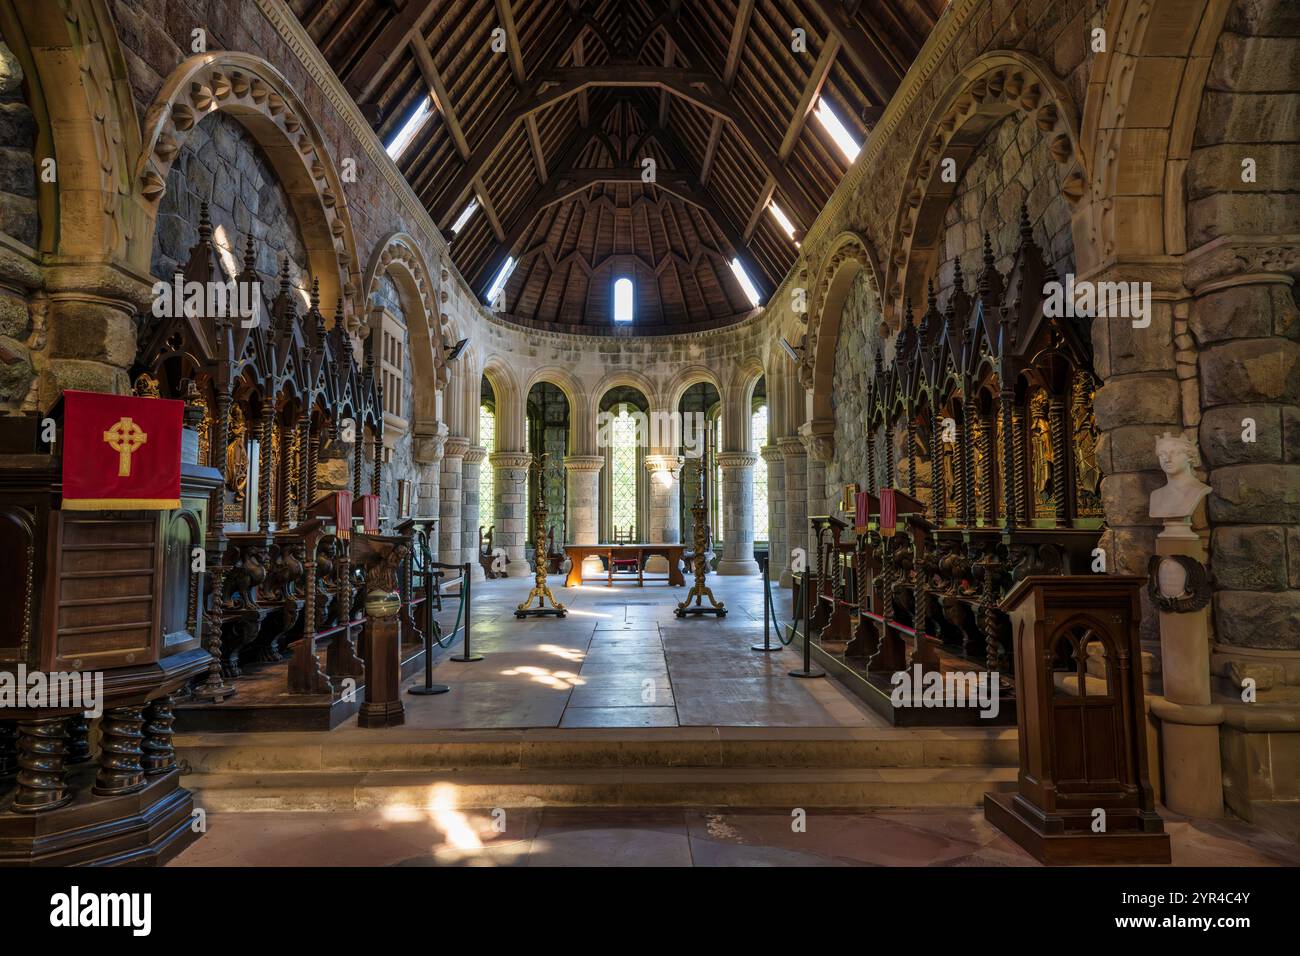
847	256
257	95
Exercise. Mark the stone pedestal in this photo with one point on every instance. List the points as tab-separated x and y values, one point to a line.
510	512
449	504
776	549
795	457
1189	722
665	512
738	512
471	508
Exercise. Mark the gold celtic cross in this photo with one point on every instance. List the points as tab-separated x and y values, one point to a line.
125	437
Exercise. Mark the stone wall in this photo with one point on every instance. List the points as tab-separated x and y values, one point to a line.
221	162
19	217
1240	344
854	366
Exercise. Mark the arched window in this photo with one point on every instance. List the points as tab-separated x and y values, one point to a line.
487	437
623	470
623	300
757	439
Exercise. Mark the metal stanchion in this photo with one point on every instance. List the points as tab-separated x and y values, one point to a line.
766	646
430	628
807	669
466	656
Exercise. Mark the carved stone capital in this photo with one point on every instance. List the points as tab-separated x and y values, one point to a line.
455	447
510	459
584	463
792	447
736	459
1234	258
664	464
427	449
819	438
475	454
772	454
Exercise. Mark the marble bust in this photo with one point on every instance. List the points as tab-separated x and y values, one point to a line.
1182	491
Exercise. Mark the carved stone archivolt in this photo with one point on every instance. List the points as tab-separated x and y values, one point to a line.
254	92
990	89
399	255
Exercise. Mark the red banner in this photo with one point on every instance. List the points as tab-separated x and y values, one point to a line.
861	511
888	512
367	509
121	452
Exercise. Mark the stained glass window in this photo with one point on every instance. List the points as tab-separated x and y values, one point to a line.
487	437
758	438
622	474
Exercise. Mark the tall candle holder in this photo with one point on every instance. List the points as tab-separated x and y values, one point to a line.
700	590
541	591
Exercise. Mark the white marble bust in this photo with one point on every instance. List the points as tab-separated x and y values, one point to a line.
1183	491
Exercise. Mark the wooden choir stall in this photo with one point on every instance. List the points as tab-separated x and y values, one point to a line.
981	434
291	421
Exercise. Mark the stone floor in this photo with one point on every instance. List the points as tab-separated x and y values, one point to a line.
667	837
621	659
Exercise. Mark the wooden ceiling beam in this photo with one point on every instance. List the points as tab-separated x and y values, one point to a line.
764	197
739	32
872	58
506	17
711	150
808	99
438	90
382	52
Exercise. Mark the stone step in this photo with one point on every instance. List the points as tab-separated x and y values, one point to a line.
353	750
411	791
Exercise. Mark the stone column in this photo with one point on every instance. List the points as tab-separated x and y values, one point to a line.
776	550
510	511
449	507
795	457
665	512
818	437
738	512
582	478
470	513
426	451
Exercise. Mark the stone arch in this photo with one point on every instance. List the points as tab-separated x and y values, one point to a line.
510	403
848	255
573	391
256	94
736	400
686	377
76	67
398	257
629	377
988	90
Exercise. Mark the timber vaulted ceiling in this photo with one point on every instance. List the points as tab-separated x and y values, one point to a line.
544	111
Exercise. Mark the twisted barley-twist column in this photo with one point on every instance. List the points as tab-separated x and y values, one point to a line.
937	480
313	463
968	464
8	748
988	611
1022	494
159	756
911	454
1056	414
78	739
304	467
264	462
889	455
988	480
42	765
871	458
120	752
358	457
376	478
1010	469
214	687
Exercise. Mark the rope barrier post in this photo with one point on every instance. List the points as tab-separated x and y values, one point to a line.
807	669
766	646
430	626
466	656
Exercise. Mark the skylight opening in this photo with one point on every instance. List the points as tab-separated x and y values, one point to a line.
499	283
831	123
412	126
781	218
746	285
463	218
623	300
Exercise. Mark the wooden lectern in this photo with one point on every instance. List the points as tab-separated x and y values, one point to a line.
1084	796
380	558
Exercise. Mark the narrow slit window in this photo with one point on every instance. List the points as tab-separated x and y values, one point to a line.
838	131
463	218
623	300
499	283
413	125
746	284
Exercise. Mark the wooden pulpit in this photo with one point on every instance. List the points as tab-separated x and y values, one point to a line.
381	558
1083	794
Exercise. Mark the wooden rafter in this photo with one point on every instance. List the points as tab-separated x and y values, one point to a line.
808	99
439	93
869	55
